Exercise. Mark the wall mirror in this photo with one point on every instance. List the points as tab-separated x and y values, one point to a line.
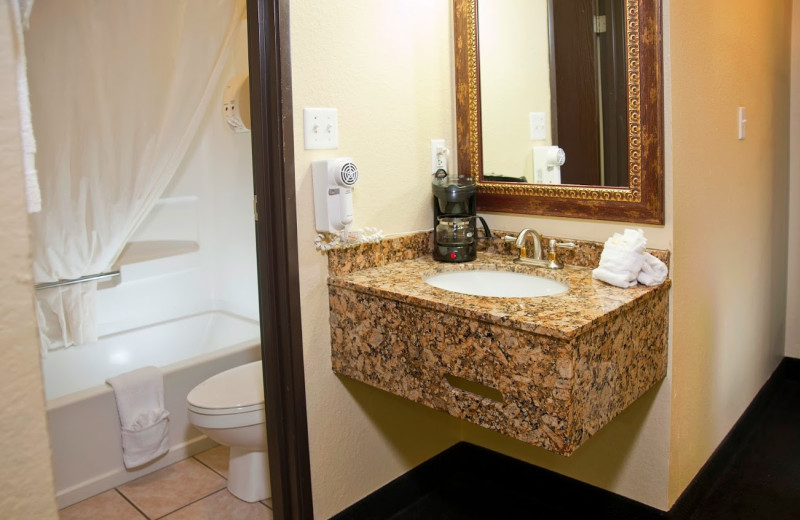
583	75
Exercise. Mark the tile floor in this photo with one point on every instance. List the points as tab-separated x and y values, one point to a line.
192	489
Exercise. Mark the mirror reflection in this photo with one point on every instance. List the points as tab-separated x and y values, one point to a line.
553	78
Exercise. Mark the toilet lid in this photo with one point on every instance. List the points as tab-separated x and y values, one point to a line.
237	390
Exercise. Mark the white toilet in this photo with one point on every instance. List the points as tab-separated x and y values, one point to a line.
229	409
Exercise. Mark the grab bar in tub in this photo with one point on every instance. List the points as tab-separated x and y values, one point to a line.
100	276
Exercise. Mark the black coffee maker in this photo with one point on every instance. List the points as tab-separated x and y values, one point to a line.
454	219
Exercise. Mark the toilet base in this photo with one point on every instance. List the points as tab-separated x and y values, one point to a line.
248	475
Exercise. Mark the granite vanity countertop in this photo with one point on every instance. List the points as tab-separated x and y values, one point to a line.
586	303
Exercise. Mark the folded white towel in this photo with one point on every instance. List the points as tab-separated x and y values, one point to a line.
653	272
632	239
624	261
142	416
614	278
622	258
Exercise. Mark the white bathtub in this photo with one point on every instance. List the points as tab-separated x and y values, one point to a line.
81	412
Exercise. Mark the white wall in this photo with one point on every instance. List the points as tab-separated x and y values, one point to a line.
793	284
26	479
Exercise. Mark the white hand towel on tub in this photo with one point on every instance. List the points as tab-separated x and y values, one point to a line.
142	416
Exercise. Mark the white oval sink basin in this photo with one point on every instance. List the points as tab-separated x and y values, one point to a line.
501	284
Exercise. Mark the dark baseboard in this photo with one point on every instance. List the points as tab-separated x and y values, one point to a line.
469	471
715	466
472	473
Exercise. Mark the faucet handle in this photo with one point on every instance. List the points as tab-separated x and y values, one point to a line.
552	261
509	238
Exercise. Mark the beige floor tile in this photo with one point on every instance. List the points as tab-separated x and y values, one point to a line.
222	505
171	488
105	505
216	458
267	502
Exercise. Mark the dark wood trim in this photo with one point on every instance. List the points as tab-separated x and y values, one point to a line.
642	201
276	247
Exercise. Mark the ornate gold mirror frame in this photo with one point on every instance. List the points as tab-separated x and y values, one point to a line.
643	200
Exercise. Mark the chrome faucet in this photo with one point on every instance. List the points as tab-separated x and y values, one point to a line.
536	256
524	251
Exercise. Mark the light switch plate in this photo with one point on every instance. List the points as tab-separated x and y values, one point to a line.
321	128
742	123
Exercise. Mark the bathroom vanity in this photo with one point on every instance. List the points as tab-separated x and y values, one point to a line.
549	371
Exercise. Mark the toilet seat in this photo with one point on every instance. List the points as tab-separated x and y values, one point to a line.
238	391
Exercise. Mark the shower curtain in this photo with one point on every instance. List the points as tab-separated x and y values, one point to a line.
118	91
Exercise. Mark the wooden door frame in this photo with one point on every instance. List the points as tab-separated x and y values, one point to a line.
277	258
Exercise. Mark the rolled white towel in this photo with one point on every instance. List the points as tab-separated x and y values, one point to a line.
619	279
632	239
653	272
621	259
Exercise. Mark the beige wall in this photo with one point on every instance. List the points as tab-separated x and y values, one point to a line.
386	66
793	286
630	455
392	83
515	80
391	79
26	481
731	212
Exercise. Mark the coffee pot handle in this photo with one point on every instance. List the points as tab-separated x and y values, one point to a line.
486	230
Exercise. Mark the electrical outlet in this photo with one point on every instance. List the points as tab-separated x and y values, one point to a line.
438	155
538	126
321	128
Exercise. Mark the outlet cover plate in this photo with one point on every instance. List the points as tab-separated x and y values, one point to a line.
538	126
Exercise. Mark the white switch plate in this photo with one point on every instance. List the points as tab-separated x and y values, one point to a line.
321	128
742	123
438	160
538	126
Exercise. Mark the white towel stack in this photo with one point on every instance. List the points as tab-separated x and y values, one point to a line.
624	261
142	416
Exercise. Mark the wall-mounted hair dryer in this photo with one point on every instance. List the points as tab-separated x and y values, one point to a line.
547	163
333	193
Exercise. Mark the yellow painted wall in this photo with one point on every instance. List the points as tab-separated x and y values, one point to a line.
391	79
730	216
726	337
515	80
387	67
630	455
26	481
793	285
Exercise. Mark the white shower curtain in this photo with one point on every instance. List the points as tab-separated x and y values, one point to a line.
118	90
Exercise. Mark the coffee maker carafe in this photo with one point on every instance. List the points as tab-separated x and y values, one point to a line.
455	219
